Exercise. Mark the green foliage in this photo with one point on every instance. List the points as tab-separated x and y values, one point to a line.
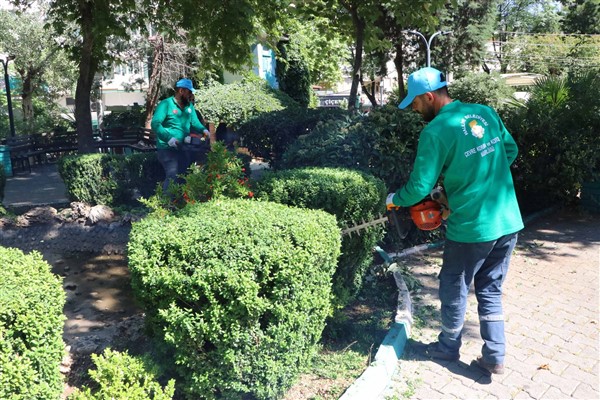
238	290
269	135
31	326
133	118
292	72
109	179
221	176
384	144
121	376
351	196
239	102
557	136
489	89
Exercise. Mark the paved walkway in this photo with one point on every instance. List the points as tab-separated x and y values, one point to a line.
552	322
43	186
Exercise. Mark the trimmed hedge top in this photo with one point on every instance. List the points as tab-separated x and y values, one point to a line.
238	289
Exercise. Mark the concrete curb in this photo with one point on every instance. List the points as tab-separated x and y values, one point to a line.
375	379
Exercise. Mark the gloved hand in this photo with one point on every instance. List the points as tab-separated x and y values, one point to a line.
389	203
187	139
206	133
173	142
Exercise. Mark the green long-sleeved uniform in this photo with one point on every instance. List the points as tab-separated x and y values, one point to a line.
171	121
469	145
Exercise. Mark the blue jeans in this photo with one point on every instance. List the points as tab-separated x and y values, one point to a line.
485	264
173	162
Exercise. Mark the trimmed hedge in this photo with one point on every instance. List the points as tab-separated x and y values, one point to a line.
384	144
31	327
269	135
238	290
110	179
351	196
238	102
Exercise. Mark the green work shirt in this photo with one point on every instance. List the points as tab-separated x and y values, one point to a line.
172	121
470	147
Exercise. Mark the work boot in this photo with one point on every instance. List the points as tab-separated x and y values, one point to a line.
434	351
489	369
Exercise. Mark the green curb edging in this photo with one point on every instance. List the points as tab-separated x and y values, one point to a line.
375	380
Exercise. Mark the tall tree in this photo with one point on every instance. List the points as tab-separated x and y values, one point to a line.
582	16
39	61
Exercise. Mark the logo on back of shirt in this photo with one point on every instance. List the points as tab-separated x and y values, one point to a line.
474	124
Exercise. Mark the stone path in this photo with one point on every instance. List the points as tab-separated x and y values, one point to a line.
552	322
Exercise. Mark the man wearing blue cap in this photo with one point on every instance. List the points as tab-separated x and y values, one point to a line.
173	120
468	147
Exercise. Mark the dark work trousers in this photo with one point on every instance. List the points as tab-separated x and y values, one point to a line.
486	265
172	161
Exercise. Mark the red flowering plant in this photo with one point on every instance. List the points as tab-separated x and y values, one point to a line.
221	176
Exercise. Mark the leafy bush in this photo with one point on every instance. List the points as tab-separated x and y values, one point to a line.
238	102
351	196
133	118
489	89
269	135
384	144
292	72
31	326
557	136
221	176
121	376
109	179
238	290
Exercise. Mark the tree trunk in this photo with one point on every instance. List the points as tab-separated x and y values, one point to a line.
27	102
369	92
158	59
359	30
399	63
87	70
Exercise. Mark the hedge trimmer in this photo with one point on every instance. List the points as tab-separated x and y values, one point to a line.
427	215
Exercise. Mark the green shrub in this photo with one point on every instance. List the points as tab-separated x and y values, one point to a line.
238	102
133	118
31	327
292	72
351	196
489	89
269	135
2	182
221	176
121	376
557	133
238	290
384	144
109	179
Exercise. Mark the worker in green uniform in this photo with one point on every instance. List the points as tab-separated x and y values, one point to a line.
469	147
173	120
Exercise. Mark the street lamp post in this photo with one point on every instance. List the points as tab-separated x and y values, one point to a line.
5	59
428	42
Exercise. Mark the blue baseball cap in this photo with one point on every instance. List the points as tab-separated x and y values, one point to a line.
422	81
186	84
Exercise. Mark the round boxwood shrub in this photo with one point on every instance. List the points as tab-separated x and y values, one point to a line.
351	196
238	291
31	327
238	102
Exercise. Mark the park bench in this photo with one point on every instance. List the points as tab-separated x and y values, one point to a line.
146	141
